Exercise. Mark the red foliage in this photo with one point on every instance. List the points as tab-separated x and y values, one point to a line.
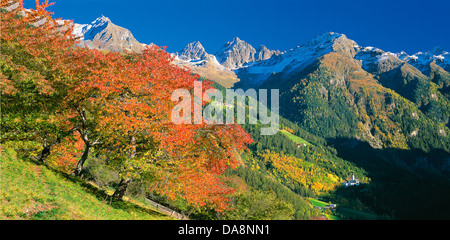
66	153
123	101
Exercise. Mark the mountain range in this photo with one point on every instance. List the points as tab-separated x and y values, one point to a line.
255	65
329	86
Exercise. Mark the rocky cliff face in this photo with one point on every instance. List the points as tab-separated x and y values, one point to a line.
195	57
236	53
263	53
193	51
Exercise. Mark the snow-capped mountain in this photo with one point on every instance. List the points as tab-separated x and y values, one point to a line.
195	57
296	59
331	82
423	60
102	34
193	52
235	53
375	60
402	55
220	67
371	59
238	60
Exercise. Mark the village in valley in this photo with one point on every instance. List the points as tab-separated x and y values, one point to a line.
328	210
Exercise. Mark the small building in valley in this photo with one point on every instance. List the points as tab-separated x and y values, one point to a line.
301	145
352	182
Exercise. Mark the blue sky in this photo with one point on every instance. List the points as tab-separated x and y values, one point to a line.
391	25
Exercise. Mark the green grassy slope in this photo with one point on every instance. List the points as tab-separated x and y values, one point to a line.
31	191
346	213
295	139
317	203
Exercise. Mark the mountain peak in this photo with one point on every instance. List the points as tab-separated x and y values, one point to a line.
236	53
261	47
327	37
324	40
196	44
90	30
193	51
402	55
100	21
329	42
263	53
104	35
236	39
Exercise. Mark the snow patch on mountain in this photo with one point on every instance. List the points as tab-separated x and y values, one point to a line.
194	54
422	60
302	55
88	31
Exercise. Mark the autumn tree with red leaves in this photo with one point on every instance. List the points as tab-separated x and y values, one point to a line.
116	104
31	41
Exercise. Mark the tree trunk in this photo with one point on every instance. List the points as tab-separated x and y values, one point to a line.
121	189
44	154
80	164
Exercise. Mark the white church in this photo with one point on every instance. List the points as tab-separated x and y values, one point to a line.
352	182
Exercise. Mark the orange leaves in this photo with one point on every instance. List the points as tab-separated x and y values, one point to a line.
291	168
6	86
129	97
199	189
66	154
34	31
120	102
